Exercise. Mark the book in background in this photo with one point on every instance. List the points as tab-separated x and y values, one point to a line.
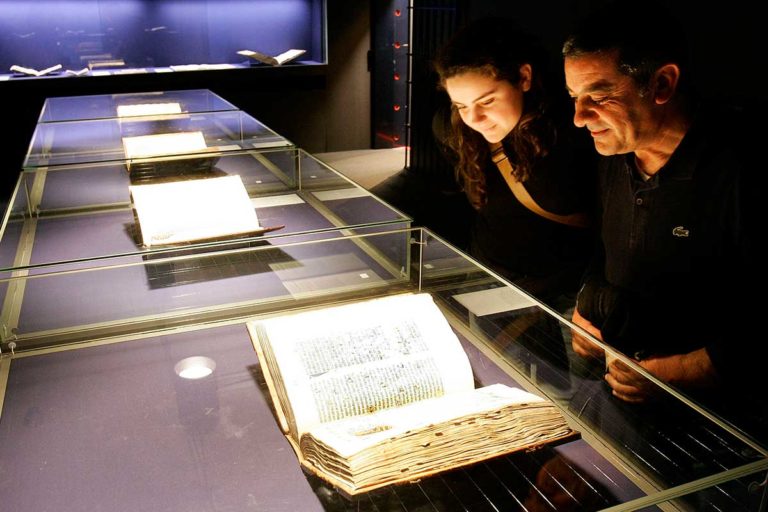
275	60
23	71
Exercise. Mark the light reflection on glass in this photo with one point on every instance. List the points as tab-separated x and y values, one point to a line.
196	367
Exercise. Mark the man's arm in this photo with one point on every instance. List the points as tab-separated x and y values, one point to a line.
693	370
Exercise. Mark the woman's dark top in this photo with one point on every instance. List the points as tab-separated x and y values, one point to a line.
544	257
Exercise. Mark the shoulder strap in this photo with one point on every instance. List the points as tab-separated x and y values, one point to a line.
578	220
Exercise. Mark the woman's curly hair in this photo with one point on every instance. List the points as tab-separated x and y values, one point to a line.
496	48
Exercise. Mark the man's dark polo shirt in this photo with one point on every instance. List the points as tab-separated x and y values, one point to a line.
680	251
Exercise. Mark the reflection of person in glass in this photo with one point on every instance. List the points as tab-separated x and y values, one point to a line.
560	486
679	226
497	80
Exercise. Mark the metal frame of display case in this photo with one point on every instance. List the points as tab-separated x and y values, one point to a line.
86	193
484	310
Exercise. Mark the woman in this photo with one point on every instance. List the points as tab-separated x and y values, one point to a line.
496	79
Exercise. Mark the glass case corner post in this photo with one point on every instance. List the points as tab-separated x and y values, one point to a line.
391	35
296	178
417	243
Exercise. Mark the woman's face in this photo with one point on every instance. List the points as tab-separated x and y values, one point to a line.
489	106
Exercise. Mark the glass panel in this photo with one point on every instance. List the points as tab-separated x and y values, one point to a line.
666	442
171	287
104	106
745	491
214	443
145	138
85	212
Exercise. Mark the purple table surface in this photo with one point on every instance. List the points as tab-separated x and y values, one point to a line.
113	428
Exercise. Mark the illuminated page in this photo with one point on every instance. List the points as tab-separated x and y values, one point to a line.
185	211
164	144
269	59
441	433
148	109
362	357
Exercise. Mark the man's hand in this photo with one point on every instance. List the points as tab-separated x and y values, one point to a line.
627	384
582	345
693	370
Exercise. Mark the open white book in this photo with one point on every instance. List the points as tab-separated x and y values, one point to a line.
34	72
163	155
276	60
194	210
164	144
381	392
149	109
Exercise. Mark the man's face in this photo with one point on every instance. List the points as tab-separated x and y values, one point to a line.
609	104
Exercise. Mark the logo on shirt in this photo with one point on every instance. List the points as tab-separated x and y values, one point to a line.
681	232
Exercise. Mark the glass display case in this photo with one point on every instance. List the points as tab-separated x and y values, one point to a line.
82	38
105	106
87	193
78	213
145	138
88	376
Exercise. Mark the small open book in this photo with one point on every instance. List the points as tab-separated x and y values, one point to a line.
276	60
381	392
195	210
34	72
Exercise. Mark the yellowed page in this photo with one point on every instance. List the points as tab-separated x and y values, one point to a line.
184	211
148	109
164	144
361	357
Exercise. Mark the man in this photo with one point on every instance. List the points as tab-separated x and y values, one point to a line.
669	284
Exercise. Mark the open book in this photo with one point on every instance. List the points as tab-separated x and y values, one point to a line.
34	72
269	59
150	109
164	144
381	392
150	158
194	211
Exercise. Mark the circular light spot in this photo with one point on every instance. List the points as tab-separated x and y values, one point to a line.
196	367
